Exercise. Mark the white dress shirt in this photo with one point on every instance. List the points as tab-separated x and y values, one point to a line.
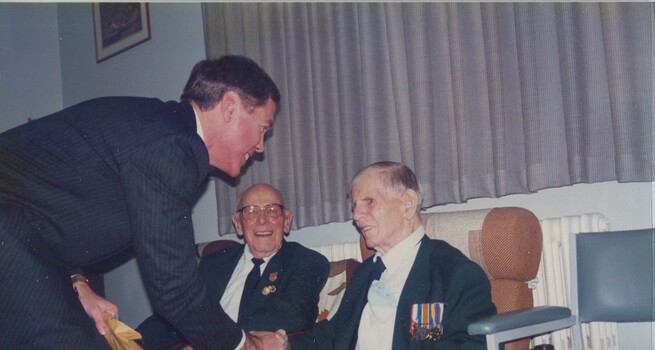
378	318
232	295
198	126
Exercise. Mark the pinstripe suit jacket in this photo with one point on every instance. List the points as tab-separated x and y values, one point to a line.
297	273
112	173
440	273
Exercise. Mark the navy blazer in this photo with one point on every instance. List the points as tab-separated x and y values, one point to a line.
115	173
440	273
297	273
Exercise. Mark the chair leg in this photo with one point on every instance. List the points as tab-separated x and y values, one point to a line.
578	341
492	342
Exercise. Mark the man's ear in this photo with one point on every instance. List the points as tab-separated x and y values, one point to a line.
230	104
288	218
237	224
410	202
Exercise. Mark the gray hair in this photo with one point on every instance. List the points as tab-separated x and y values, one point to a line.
395	176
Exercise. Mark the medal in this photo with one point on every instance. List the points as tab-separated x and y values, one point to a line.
272	277
426	321
268	290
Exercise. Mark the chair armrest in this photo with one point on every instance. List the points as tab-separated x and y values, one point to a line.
519	319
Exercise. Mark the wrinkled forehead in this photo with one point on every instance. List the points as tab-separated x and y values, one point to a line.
261	194
370	177
369	183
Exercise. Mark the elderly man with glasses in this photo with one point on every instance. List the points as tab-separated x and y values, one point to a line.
265	284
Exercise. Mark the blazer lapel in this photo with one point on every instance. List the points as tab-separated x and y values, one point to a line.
416	290
229	268
222	269
348	322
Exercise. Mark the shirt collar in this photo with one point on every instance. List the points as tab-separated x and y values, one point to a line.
198	126
399	253
247	254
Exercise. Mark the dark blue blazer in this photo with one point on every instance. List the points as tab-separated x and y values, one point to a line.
440	273
297	273
115	173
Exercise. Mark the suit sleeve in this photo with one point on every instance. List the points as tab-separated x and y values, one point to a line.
157	333
468	298
321	337
162	183
297	308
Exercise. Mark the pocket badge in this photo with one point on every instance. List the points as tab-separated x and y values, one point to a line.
272	277
269	290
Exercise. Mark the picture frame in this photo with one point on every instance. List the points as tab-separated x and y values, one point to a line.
118	27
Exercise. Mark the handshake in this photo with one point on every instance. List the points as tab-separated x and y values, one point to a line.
258	340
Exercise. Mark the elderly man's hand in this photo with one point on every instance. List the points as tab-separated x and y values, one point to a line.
266	340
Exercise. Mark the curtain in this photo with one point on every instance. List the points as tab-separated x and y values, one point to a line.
479	99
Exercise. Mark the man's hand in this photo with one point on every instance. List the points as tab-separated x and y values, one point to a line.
266	340
95	305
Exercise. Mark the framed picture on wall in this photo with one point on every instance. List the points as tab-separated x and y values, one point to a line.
118	27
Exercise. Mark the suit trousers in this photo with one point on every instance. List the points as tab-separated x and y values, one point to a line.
38	307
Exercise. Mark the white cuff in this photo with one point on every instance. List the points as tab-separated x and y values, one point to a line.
243	340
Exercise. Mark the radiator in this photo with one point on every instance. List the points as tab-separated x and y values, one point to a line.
553	281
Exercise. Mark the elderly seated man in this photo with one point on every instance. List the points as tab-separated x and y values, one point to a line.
263	285
415	292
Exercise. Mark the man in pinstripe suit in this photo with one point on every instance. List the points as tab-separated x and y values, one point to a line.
84	185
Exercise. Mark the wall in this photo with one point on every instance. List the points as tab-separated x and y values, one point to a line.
44	68
158	67
30	75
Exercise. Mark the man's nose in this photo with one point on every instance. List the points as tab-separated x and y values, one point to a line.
260	146
358	214
262	218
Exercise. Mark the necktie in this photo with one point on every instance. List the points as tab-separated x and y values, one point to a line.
376	272
249	287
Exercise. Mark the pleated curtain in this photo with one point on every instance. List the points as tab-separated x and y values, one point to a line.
479	99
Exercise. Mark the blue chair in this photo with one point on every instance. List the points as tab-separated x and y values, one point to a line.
612	280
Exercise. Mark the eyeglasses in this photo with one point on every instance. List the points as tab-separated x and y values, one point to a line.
251	212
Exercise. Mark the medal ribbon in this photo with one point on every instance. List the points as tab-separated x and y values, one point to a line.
428	314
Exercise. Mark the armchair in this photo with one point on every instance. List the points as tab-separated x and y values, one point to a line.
612	279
